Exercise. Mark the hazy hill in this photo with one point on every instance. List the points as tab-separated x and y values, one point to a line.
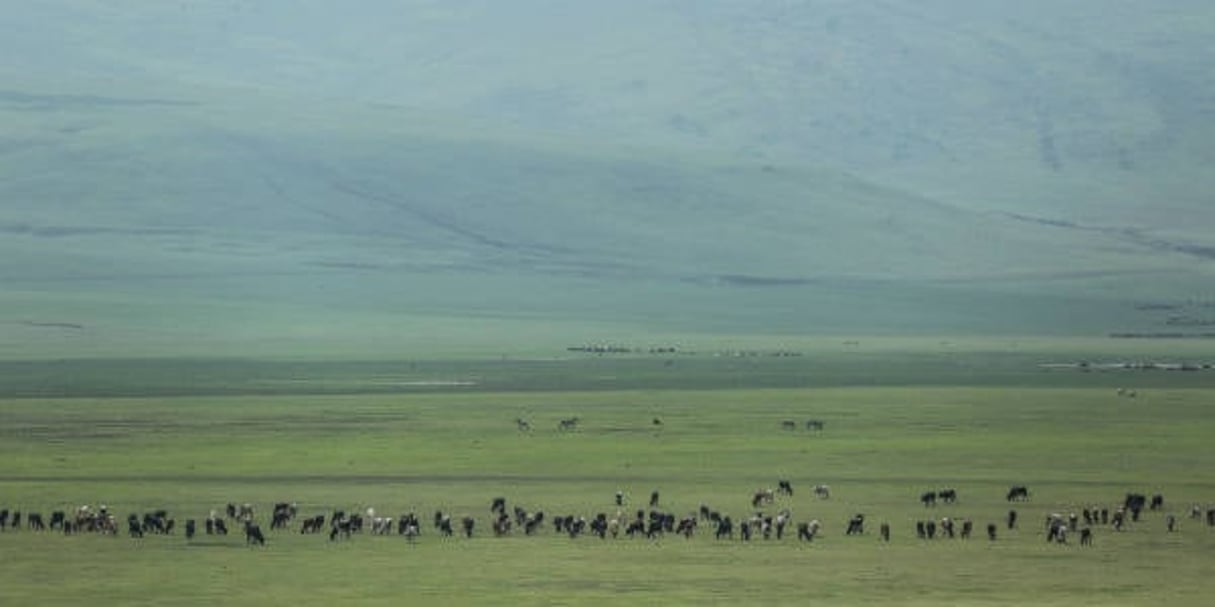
261	171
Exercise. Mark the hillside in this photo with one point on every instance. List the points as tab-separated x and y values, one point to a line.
258	171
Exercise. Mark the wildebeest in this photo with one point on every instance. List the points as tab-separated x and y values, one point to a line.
928	498
856	525
1017	493
253	534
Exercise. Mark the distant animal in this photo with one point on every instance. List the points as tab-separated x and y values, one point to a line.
808	531
788	424
822	491
523	424
884	532
762	496
253	534
948	496
814	424
1157	502
928	498
190	528
1017	493
569	423
1086	537
856	525
783	487
991	531
654	499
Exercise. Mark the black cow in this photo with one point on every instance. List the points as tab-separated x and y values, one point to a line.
1086	537
498	506
58	519
928	498
1018	493
468	523
991	531
134	528
948	496
190	529
1157	502
34	522
967	527
654	499
1012	519
884	531
784	487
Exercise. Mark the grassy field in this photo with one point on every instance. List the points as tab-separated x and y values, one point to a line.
420	437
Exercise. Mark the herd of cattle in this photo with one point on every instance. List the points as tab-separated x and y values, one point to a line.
650	523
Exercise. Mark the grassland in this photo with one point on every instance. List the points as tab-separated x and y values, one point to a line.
426	435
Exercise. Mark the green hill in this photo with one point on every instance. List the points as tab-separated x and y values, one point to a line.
274	176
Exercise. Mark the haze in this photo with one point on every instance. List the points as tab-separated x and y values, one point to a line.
302	177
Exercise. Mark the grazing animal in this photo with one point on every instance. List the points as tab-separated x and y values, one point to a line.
808	531
1012	519
856	525
1018	493
784	487
822	492
991	531
570	423
467	523
762	496
884	532
967	527
1086	537
788	424
654	499
814	424
1157	502
928	498
523	424
948	496
1171	522
190	529
253	534
619	498
34	522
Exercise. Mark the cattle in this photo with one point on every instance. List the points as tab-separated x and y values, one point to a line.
947	527
221	528
784	487
1170	522
967	527
498	506
190	529
253	534
502	525
619	498
744	529
34	522
570	423
814	424
409	527
654	499
523	424
928	498
4	518
1195	513
822	492
1211	517
788	424
687	526
930	527
1157	502
948	496
884	532
467	523
15	523
313	524
1134	503
856	525
1012	519
1017	493
1056	528
58	520
921	530
991	532
1086	537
